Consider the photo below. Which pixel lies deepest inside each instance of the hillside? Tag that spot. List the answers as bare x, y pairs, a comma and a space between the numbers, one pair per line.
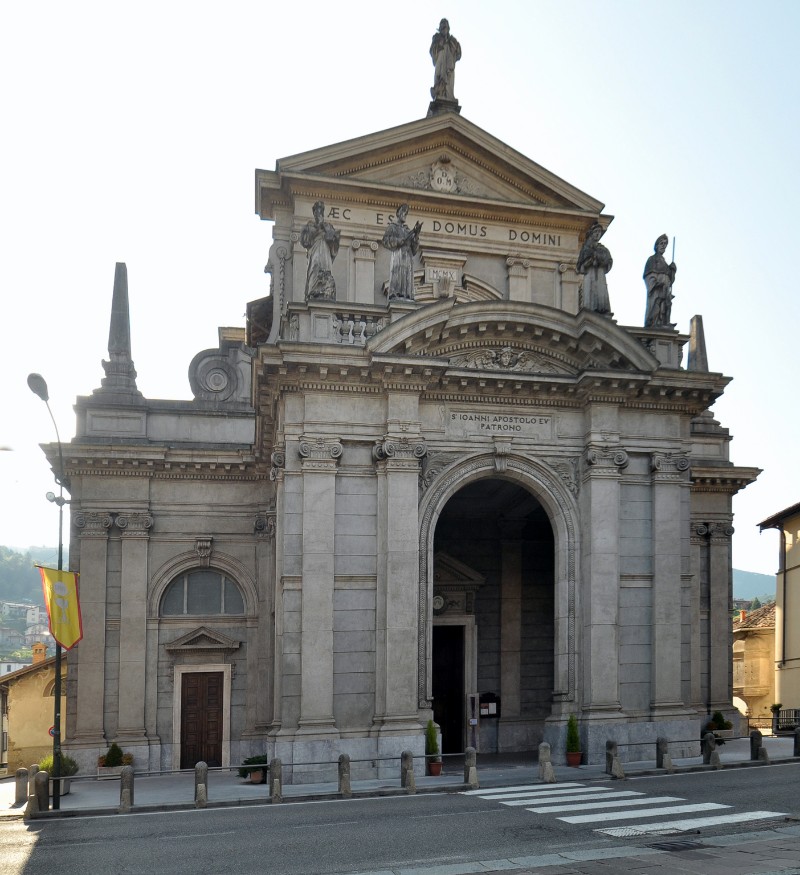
749, 584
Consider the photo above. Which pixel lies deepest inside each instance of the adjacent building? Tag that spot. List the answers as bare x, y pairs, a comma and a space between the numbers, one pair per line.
431, 476
787, 606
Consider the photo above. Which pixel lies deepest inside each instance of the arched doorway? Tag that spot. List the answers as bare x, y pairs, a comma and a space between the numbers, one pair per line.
493, 616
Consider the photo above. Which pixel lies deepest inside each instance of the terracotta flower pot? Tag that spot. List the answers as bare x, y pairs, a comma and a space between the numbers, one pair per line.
434, 769
574, 758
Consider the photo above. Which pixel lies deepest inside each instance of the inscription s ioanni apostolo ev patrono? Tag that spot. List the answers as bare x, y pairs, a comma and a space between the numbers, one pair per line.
495, 233
538, 426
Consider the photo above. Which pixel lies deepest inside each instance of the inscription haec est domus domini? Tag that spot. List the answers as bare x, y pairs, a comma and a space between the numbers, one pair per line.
496, 233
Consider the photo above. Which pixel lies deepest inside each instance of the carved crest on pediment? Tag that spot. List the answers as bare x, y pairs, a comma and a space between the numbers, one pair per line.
441, 176
506, 358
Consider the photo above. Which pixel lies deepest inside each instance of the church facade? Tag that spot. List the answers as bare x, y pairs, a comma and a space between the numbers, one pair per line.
427, 479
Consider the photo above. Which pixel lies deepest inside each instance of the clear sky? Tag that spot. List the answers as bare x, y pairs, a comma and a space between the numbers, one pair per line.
131, 131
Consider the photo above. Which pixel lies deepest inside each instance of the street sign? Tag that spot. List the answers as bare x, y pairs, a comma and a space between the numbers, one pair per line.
52, 731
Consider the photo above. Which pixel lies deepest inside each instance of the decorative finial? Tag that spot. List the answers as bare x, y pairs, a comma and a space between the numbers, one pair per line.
120, 378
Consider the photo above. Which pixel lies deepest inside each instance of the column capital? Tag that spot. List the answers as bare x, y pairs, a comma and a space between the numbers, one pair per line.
320, 453
605, 461
278, 460
93, 524
402, 449
718, 531
669, 466
134, 525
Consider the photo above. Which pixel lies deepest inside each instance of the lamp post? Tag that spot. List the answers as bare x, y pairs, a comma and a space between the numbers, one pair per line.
38, 385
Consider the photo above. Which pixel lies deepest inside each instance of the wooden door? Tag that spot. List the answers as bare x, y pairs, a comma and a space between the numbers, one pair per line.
201, 719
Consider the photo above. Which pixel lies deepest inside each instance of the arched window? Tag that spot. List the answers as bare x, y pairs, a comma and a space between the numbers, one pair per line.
201, 592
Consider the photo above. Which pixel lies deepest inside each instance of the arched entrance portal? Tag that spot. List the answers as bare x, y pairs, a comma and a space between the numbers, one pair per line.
493, 617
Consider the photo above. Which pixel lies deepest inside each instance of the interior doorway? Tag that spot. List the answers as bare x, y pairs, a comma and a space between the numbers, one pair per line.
201, 719
448, 686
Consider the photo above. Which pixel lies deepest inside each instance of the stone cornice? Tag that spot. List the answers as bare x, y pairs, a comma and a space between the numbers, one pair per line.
727, 480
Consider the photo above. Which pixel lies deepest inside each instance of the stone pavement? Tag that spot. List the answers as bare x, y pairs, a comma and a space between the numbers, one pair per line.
759, 852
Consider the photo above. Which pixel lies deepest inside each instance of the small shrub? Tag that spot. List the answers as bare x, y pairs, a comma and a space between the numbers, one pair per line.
573, 737
68, 765
127, 759
260, 761
113, 757
432, 743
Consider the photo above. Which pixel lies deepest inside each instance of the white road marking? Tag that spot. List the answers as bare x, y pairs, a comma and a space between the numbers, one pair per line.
551, 788
578, 797
690, 824
594, 805
656, 812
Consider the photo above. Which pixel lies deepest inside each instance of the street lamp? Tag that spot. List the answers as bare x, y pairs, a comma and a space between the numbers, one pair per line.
37, 385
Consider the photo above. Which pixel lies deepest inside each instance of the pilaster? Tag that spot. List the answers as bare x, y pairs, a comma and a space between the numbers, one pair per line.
669, 476
510, 616
319, 462
361, 288
398, 464
90, 653
135, 528
600, 504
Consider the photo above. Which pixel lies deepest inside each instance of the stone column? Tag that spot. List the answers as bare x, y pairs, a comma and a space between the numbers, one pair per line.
89, 657
600, 572
396, 620
362, 285
510, 616
669, 480
276, 475
135, 528
319, 463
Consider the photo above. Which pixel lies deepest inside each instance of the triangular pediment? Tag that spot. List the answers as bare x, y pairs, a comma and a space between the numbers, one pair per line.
202, 640
449, 570
444, 156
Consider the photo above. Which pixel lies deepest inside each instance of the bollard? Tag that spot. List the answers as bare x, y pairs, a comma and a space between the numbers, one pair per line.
344, 776
709, 745
41, 790
406, 767
763, 755
471, 768
126, 789
31, 775
796, 751
663, 758
200, 780
611, 752
756, 743
21, 789
275, 780
32, 808
613, 764
546, 773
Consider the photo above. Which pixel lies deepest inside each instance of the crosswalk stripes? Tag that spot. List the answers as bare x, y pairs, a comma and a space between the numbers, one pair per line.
607, 806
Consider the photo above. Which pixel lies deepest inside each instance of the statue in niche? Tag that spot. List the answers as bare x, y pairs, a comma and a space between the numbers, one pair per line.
321, 240
659, 277
403, 242
594, 262
445, 51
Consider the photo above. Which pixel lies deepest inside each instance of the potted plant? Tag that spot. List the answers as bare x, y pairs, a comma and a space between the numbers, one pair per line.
721, 727
255, 769
68, 768
112, 761
432, 755
776, 710
573, 742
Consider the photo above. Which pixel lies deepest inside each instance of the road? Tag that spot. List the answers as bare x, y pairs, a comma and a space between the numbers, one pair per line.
380, 834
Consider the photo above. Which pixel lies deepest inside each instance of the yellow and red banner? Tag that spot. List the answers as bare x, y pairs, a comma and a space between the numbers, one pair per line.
63, 608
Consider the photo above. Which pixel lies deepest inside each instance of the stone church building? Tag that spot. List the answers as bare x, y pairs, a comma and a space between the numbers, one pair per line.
427, 478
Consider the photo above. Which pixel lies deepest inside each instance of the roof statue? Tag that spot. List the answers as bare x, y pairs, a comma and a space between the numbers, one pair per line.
594, 262
659, 277
445, 51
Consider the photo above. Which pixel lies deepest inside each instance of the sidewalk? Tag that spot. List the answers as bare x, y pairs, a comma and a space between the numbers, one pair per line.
88, 795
